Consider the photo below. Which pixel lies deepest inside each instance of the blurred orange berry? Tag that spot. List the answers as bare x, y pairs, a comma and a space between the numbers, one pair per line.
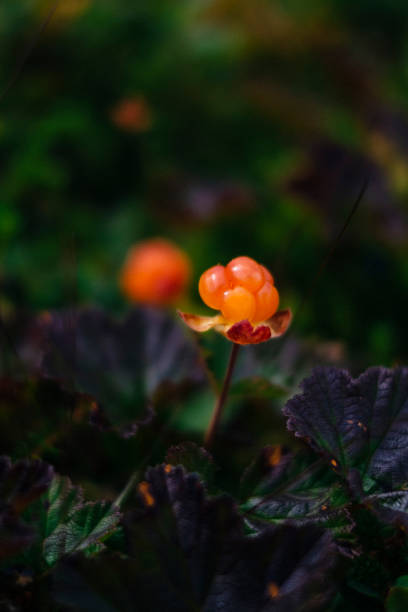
132, 115
155, 272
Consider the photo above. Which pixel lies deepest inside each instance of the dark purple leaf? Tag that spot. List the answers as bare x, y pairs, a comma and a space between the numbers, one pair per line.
35, 411
23, 482
124, 364
188, 552
359, 422
20, 484
194, 459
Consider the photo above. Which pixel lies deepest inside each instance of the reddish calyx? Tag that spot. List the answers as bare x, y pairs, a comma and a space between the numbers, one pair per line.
245, 294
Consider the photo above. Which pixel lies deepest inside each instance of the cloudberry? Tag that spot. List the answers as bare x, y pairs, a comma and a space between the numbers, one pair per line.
243, 290
245, 272
267, 275
155, 272
267, 302
212, 285
238, 304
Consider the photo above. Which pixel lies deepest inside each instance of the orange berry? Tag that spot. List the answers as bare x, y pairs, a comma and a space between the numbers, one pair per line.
132, 114
238, 304
267, 275
155, 272
266, 301
245, 272
212, 284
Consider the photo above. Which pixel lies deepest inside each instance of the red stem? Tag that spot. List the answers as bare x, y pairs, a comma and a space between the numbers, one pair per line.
218, 408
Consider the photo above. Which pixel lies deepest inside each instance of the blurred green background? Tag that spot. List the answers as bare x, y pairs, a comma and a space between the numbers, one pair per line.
228, 126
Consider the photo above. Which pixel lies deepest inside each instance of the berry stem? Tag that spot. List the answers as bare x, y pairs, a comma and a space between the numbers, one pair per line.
219, 405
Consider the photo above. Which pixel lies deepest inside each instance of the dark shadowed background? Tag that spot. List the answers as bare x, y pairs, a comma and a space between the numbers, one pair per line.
229, 127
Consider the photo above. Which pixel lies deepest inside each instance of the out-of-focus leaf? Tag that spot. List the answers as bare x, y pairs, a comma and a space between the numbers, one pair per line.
21, 483
402, 581
258, 387
285, 363
185, 200
124, 363
15, 536
194, 459
397, 600
33, 413
196, 413
331, 173
188, 552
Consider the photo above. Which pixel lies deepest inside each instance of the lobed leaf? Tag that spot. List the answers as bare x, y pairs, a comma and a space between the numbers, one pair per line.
85, 529
34, 412
66, 523
188, 552
359, 422
279, 486
122, 363
194, 459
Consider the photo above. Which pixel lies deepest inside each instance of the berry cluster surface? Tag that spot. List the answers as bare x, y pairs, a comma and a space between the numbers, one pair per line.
243, 289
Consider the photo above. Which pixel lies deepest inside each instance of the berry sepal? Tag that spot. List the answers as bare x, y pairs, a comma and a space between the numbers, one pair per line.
242, 332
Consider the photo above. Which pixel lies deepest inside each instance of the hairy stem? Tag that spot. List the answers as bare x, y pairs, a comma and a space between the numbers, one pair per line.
219, 405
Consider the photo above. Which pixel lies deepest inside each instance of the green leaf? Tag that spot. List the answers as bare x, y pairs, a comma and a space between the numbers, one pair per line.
86, 528
258, 388
397, 600
196, 413
280, 486
188, 552
66, 523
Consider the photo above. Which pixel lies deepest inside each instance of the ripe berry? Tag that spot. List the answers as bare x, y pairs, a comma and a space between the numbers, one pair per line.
267, 275
238, 304
245, 272
155, 272
267, 302
132, 115
212, 285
